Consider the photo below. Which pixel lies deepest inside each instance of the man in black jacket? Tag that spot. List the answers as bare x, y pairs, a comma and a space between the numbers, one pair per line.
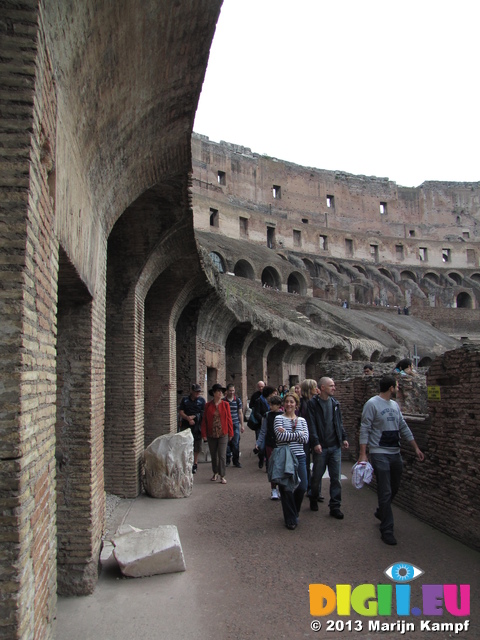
327, 436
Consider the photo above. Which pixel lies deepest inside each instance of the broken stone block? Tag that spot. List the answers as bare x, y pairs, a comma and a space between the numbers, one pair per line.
168, 466
149, 552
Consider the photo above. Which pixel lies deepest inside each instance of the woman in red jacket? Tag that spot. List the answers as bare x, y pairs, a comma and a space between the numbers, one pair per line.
217, 429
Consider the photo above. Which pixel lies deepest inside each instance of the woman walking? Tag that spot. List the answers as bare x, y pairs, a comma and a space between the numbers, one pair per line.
292, 430
217, 430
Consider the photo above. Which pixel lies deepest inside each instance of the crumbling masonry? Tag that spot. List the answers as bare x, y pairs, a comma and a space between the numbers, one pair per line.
111, 302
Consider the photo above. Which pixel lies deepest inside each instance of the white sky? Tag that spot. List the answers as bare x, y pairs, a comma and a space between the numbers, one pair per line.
371, 87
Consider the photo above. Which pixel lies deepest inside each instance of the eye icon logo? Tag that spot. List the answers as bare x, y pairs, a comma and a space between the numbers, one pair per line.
403, 572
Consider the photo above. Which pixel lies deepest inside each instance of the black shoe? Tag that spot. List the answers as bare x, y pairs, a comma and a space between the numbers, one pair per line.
313, 505
377, 514
228, 462
388, 538
291, 526
336, 513
194, 468
260, 464
320, 499
237, 464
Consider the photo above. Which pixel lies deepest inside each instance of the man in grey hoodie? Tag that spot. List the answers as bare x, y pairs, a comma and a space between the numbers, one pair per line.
380, 429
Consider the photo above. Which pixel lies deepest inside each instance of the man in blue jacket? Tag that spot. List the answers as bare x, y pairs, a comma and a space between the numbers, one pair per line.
327, 436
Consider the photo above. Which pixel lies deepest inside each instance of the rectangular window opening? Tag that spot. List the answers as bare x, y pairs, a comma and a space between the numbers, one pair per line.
277, 192
222, 178
411, 233
323, 243
214, 218
399, 251
374, 252
330, 202
297, 238
243, 227
466, 235
349, 247
422, 254
470, 256
271, 237
383, 208
446, 255
305, 220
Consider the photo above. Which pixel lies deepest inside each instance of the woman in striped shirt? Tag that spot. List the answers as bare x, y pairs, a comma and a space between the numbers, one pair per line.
292, 429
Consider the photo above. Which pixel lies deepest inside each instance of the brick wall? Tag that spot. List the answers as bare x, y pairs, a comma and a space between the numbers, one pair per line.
444, 490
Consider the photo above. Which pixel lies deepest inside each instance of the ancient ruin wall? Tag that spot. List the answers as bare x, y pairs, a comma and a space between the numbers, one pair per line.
332, 213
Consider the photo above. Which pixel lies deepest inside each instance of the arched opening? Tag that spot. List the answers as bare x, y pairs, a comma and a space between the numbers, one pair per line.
432, 277
310, 267
476, 277
271, 278
358, 354
408, 275
456, 277
243, 269
360, 269
296, 284
464, 301
218, 261
375, 357
386, 273
335, 266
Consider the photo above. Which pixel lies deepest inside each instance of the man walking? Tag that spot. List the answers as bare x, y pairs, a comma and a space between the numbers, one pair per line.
236, 409
191, 413
327, 436
380, 429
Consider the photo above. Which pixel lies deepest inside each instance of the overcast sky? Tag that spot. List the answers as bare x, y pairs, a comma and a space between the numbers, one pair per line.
372, 87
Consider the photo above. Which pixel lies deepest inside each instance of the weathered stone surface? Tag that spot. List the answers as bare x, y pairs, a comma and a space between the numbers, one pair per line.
168, 466
149, 552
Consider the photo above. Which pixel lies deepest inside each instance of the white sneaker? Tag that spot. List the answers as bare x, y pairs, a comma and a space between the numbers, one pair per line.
274, 495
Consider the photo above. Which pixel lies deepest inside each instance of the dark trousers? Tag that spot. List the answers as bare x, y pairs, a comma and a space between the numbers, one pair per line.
388, 471
292, 500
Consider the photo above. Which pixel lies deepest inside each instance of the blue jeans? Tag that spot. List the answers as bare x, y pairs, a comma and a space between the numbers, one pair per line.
292, 500
233, 449
330, 458
388, 469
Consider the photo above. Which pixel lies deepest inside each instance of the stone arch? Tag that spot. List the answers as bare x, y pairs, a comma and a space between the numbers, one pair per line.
235, 360
310, 267
475, 277
360, 269
334, 265
359, 354
218, 261
296, 283
408, 275
271, 278
432, 277
244, 269
386, 273
464, 301
337, 353
456, 277
313, 364
375, 357
275, 363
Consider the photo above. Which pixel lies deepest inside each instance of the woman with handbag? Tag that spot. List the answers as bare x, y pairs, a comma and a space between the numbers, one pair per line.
292, 430
217, 430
